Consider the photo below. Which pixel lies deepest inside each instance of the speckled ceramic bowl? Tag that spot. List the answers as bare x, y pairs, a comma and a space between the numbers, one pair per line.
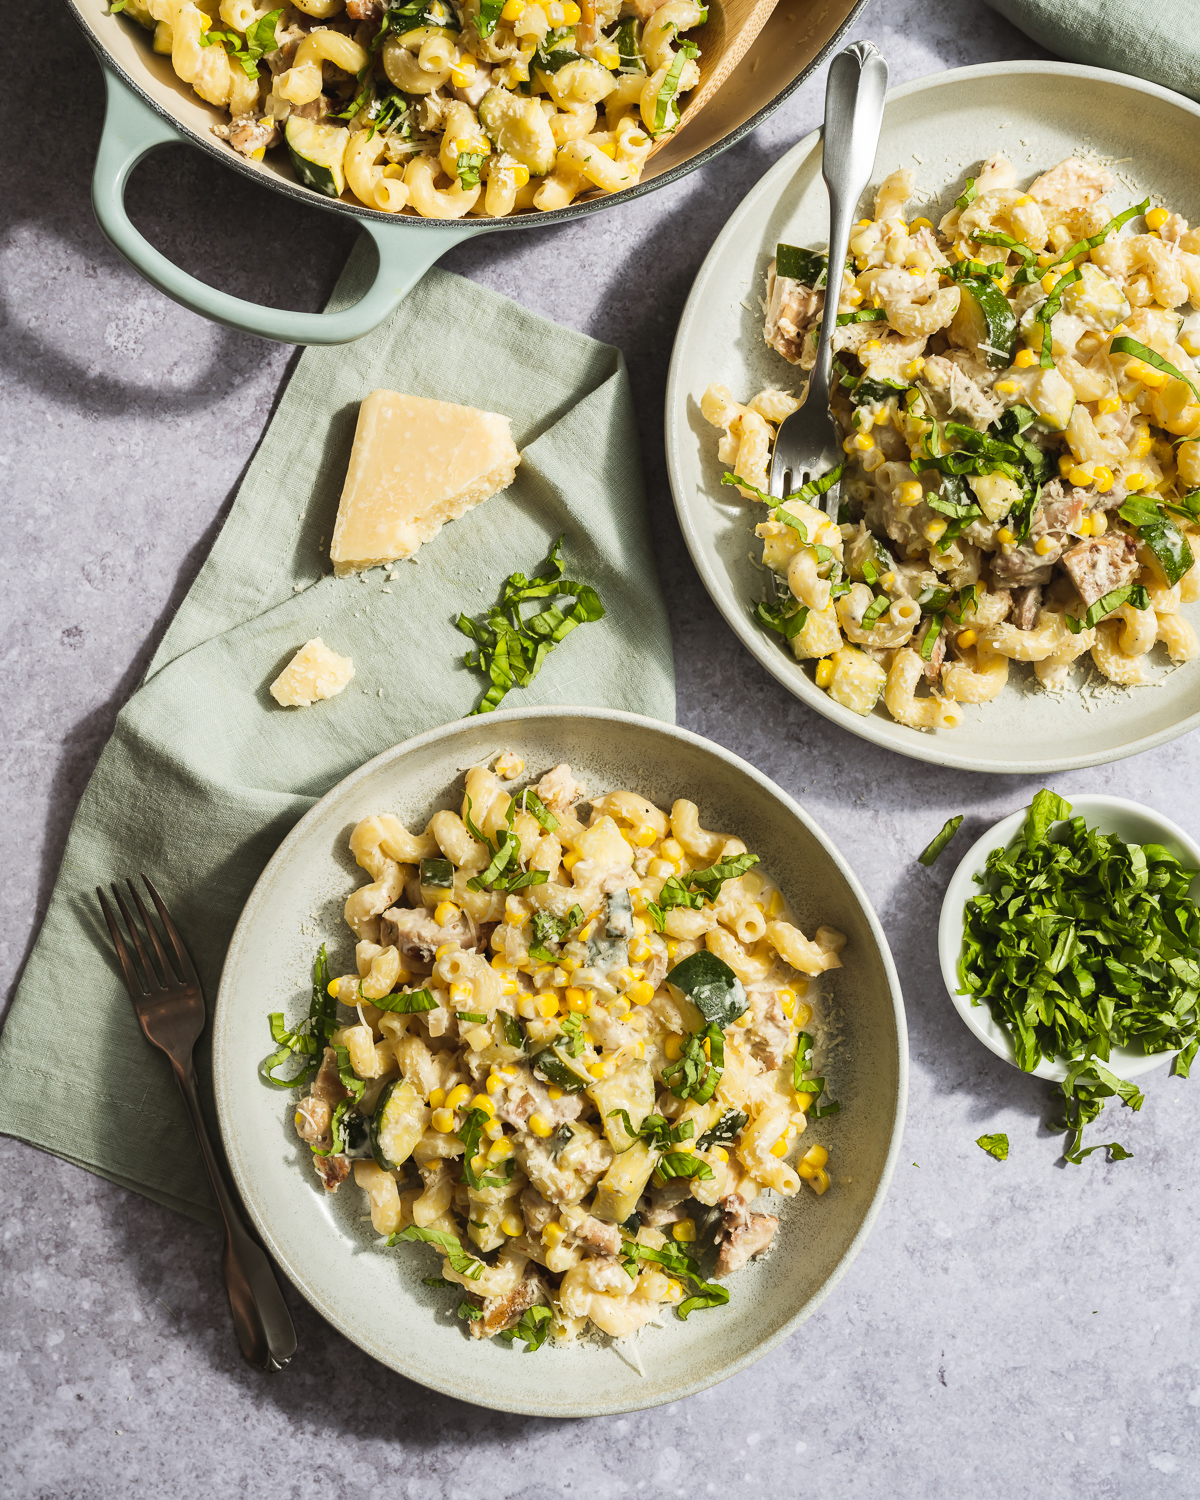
376, 1296
941, 127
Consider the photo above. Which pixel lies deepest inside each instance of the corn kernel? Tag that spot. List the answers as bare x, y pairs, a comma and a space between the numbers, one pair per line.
1133, 482
513, 10
672, 949
803, 1103
641, 993
935, 530
853, 296
600, 1069
661, 868
512, 1225
684, 1230
461, 994
461, 75
546, 1004
520, 175
607, 55
1099, 523
458, 1096
1005, 537
554, 1233
539, 1124
720, 1153
445, 913
1023, 201
1086, 527
579, 1000
332, 987
1137, 369
1103, 478
673, 1047
914, 367
911, 492
1044, 260
554, 1091
437, 1098
444, 949
527, 1008
571, 13
824, 673
744, 1019
787, 1002
1107, 405
967, 638
443, 1120
481, 1101
1079, 476
571, 859
820, 1182
1156, 218
804, 1014
1065, 464
780, 1148
1008, 387
921, 224
1043, 545
1049, 281
872, 346
1024, 359
494, 1083
639, 950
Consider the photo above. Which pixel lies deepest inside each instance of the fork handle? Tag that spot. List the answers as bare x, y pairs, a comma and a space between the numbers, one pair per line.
854, 95
264, 1328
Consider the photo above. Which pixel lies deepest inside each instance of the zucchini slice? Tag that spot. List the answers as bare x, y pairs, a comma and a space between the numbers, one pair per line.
317, 151
437, 881
397, 1124
984, 316
555, 1069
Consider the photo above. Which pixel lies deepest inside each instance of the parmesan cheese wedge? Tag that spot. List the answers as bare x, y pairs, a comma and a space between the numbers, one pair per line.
415, 465
314, 672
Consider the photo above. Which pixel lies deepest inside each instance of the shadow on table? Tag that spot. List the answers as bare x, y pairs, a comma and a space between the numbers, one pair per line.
331, 1385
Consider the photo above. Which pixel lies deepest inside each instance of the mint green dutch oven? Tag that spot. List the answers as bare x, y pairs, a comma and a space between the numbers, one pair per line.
149, 107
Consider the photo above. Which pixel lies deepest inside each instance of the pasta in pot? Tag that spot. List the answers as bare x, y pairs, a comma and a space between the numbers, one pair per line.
440, 108
1019, 393
555, 1086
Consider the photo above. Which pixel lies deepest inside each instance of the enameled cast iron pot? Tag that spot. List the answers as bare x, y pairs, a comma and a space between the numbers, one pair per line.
148, 107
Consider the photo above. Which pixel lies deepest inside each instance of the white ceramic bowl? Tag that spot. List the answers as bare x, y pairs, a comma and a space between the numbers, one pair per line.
1130, 821
376, 1296
941, 127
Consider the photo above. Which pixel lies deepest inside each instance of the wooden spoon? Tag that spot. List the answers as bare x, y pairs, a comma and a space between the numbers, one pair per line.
724, 40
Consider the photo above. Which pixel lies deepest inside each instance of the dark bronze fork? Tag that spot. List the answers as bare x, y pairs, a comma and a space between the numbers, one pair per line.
170, 1005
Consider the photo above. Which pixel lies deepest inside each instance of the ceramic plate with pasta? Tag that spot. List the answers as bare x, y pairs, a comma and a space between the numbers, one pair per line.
440, 108
581, 1037
1017, 389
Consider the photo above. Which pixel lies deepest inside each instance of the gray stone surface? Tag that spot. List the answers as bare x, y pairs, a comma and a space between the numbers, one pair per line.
1009, 1330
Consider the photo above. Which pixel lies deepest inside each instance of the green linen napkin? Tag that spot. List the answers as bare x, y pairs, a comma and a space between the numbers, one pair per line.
205, 773
1158, 42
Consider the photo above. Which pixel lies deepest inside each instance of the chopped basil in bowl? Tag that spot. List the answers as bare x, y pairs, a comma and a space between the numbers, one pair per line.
1069, 943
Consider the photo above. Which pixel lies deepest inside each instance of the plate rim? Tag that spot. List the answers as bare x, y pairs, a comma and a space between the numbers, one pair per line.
915, 745
1002, 833
224, 1093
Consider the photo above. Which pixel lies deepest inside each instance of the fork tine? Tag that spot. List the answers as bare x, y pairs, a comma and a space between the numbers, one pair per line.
182, 957
165, 967
132, 979
153, 982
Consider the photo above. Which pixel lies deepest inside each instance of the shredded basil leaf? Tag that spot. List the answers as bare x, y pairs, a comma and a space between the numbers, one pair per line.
1125, 345
460, 1262
309, 1038
260, 39
725, 1131
935, 846
995, 1145
969, 194
1045, 315
511, 646
408, 1002
1129, 593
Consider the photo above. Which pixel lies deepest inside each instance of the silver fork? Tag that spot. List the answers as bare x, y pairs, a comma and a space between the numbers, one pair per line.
808, 443
170, 1005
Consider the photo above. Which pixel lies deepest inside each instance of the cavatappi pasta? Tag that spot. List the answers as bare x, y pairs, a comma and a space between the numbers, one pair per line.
440, 108
578, 1039
1019, 395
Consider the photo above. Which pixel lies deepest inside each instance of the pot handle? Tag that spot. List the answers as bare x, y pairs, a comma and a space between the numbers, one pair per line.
406, 250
